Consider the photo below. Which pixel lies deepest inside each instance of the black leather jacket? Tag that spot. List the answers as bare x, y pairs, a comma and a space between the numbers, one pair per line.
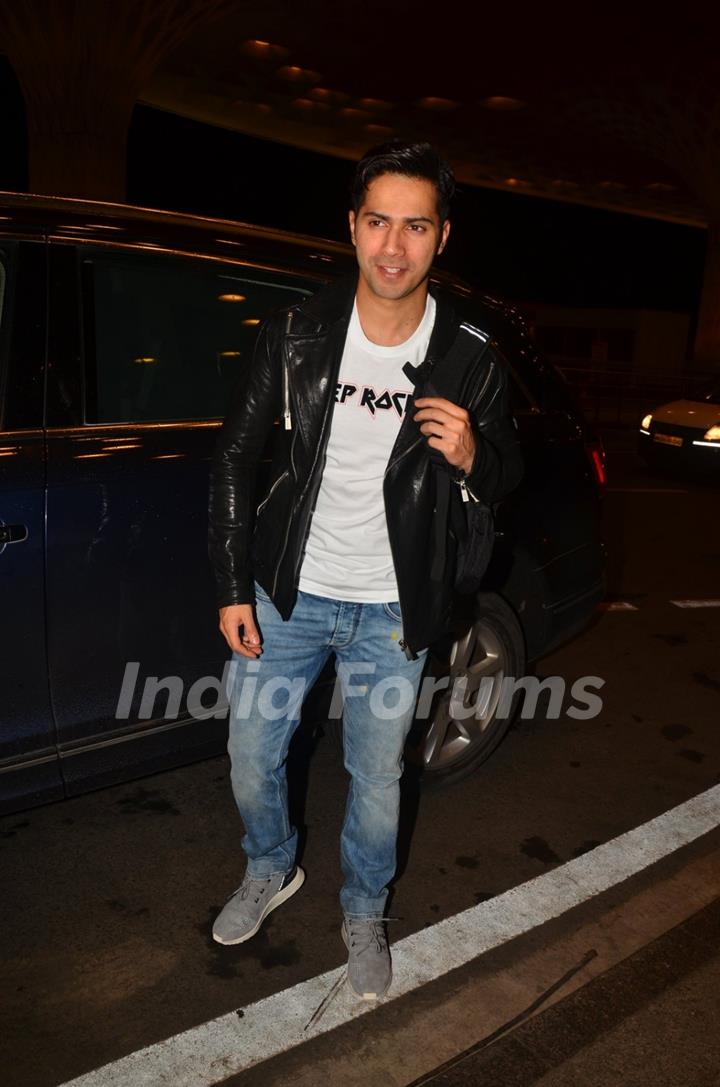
293, 375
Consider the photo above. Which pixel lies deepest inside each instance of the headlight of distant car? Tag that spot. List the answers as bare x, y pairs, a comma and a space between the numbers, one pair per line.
645, 425
713, 434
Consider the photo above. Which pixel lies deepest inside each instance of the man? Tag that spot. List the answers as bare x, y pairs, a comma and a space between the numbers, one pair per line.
337, 557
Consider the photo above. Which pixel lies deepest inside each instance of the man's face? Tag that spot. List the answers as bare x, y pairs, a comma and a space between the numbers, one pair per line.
397, 233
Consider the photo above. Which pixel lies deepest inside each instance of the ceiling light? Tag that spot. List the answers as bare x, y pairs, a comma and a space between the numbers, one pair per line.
438, 104
501, 102
379, 130
293, 74
264, 50
513, 182
374, 103
231, 298
308, 104
324, 94
351, 114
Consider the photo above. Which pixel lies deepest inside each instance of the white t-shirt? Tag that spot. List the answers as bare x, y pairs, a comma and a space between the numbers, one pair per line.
347, 555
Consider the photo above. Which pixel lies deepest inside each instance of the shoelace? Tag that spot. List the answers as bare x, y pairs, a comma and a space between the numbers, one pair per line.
260, 885
243, 891
374, 930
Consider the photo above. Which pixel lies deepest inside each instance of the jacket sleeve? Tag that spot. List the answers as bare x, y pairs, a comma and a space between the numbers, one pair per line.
233, 473
498, 465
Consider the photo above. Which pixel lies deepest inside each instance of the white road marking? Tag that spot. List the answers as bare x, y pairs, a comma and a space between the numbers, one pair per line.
209, 1053
696, 603
616, 605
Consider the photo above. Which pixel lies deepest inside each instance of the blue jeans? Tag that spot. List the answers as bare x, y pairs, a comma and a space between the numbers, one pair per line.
379, 687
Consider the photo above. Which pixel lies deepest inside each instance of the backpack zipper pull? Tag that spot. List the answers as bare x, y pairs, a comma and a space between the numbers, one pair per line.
468, 495
459, 477
287, 414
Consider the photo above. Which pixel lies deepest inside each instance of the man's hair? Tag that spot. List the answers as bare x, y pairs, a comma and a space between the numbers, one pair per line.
419, 160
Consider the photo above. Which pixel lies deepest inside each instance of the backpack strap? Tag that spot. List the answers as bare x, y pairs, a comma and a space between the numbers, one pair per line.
453, 371
451, 378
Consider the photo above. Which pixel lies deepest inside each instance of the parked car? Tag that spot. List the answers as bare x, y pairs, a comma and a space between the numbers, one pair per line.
123, 332
683, 434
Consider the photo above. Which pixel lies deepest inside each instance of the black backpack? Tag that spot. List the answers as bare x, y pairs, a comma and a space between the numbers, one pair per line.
461, 376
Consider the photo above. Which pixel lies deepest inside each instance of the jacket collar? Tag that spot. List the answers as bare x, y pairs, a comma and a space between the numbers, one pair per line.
445, 326
335, 303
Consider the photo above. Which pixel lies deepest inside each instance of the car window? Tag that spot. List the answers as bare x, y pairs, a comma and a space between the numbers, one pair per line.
167, 338
5, 259
23, 275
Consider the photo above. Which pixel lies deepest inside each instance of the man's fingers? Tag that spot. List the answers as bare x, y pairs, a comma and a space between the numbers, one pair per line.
238, 627
437, 415
252, 652
439, 403
251, 636
452, 426
459, 454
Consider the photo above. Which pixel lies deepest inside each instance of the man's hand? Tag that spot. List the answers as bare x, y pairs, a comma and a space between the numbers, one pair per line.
232, 618
447, 428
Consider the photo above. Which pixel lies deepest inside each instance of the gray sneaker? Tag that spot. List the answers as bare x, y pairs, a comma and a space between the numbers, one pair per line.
369, 971
246, 909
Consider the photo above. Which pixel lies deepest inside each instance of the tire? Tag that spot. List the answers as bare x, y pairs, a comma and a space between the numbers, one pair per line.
443, 746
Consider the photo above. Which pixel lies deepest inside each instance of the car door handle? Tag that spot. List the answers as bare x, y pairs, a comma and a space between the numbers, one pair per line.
12, 534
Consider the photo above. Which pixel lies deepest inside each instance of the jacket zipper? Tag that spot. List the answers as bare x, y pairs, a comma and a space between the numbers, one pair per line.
287, 423
466, 493
478, 397
320, 452
270, 493
289, 520
287, 416
402, 643
320, 449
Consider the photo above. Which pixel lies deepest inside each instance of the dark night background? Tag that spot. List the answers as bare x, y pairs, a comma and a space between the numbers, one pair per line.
525, 248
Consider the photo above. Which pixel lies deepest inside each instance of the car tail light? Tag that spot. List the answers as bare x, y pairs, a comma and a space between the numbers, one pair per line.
596, 453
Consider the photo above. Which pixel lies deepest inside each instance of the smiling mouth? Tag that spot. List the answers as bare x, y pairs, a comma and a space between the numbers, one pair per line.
390, 269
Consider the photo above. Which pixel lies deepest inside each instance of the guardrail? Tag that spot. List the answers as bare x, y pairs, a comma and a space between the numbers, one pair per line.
624, 396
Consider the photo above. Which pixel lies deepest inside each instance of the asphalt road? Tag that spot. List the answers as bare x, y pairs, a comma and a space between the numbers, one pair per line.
108, 899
